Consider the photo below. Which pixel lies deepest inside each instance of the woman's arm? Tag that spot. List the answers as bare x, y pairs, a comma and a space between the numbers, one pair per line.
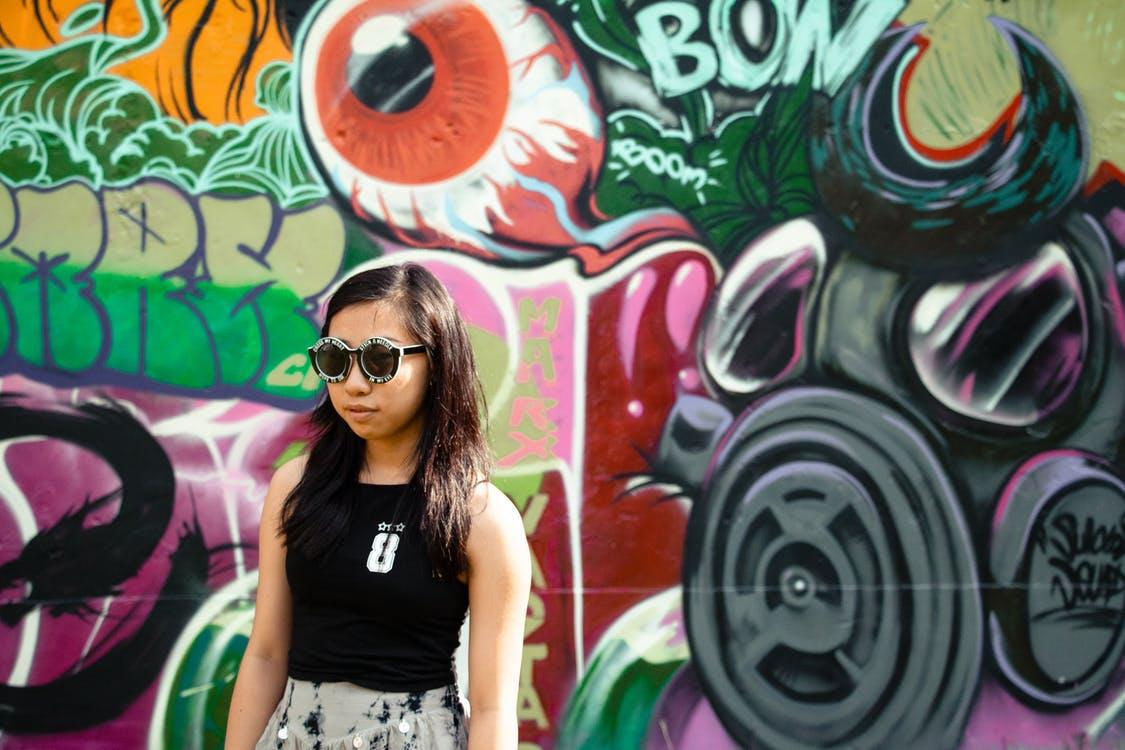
499, 584
265, 665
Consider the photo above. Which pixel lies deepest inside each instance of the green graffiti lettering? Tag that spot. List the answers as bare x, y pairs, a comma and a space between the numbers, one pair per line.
529, 706
289, 372
536, 614
545, 316
536, 355
147, 283
151, 228
7, 214
252, 246
177, 348
44, 270
533, 512
7, 227
534, 409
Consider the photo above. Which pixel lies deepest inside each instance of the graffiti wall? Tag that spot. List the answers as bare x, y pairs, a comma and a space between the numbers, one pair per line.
800, 325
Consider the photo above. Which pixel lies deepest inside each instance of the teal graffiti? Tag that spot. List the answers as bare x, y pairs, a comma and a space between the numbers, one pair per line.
665, 50
811, 34
751, 45
733, 173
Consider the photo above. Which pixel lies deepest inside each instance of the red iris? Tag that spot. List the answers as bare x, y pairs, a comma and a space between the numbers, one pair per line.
450, 128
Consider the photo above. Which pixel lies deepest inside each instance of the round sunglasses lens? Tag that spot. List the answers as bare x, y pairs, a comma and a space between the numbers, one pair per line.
332, 361
378, 360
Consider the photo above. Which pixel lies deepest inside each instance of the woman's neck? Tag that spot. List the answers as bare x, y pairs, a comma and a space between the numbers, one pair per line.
389, 463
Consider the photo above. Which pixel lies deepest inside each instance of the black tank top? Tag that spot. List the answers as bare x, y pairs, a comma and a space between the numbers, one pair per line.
371, 612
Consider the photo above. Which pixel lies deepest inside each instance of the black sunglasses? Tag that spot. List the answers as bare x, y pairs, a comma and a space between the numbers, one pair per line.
378, 358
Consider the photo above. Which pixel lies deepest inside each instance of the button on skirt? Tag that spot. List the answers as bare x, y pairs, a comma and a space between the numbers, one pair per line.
343, 716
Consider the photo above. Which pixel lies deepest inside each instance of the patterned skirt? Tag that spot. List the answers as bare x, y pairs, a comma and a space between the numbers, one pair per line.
343, 716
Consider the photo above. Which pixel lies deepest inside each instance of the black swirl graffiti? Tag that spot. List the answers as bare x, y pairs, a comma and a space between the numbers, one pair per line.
102, 690
67, 564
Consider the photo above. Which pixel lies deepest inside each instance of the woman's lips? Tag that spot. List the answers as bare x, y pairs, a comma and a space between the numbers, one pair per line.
359, 412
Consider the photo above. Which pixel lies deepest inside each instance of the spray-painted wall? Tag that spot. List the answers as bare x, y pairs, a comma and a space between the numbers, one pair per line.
801, 328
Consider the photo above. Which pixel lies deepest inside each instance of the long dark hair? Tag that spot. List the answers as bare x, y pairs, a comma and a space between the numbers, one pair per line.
452, 455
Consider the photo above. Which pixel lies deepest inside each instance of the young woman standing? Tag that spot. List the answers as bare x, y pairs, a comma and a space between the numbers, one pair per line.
375, 543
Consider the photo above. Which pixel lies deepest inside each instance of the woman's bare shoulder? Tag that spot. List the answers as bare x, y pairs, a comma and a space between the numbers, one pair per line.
493, 513
286, 477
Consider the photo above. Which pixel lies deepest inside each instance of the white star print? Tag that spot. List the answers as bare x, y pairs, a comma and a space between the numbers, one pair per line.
401, 527
384, 527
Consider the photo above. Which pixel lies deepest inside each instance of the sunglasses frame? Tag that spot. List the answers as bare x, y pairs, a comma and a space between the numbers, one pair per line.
354, 356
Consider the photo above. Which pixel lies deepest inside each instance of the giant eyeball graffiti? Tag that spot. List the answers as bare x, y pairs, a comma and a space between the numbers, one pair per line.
965, 211
459, 123
817, 572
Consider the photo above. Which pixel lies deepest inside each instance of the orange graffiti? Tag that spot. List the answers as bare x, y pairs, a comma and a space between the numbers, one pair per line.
206, 67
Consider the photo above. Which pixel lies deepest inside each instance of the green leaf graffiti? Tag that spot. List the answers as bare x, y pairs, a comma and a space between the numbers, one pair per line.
605, 26
611, 705
82, 19
750, 174
62, 116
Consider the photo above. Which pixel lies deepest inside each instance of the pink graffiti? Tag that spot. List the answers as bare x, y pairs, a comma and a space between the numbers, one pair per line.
685, 303
637, 291
222, 453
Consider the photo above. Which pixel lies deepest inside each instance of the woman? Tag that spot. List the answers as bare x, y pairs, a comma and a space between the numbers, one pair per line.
372, 546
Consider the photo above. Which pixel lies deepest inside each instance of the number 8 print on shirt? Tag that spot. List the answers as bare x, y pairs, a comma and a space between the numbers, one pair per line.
382, 557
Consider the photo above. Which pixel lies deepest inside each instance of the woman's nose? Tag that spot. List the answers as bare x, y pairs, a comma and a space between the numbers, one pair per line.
356, 383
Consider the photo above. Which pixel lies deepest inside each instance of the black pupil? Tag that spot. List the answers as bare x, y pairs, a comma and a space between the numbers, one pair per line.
378, 360
394, 79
